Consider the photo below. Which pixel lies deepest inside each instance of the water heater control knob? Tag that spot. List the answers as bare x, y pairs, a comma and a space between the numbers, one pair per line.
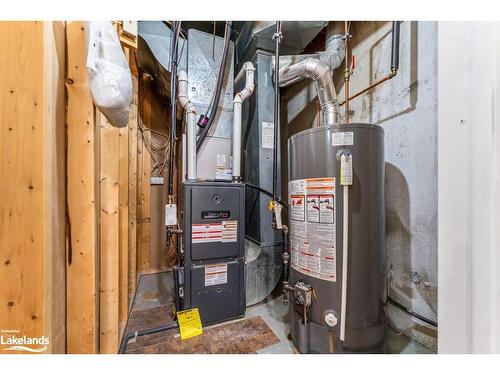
331, 319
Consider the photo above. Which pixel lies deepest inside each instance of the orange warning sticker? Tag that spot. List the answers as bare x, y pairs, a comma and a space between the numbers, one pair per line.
312, 227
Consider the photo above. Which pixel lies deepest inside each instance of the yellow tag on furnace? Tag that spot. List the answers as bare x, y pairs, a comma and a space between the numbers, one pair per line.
189, 323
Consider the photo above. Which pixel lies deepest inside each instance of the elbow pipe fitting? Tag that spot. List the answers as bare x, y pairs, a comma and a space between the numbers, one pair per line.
319, 68
184, 101
190, 112
319, 72
249, 84
237, 108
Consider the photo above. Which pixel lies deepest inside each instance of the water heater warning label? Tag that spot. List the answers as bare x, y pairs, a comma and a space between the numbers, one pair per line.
297, 207
312, 227
313, 208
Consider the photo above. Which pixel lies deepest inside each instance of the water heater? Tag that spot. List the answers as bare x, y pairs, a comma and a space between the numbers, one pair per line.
337, 306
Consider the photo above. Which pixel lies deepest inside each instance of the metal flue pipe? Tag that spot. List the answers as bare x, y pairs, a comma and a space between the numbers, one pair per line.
319, 68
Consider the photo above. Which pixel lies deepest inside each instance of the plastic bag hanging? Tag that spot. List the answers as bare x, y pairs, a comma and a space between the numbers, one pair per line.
110, 79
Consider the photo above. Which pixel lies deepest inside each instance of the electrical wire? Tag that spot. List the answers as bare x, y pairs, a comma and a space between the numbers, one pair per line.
218, 88
217, 78
262, 190
412, 313
157, 151
173, 102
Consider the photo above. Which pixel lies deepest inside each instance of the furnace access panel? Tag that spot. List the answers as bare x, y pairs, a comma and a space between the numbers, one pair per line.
214, 233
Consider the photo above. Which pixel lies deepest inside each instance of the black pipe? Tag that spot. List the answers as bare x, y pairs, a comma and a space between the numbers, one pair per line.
204, 121
176, 27
277, 39
177, 285
149, 331
412, 313
286, 268
395, 46
262, 190
285, 271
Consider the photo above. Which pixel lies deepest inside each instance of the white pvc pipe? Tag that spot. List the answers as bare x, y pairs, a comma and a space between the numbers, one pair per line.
237, 140
345, 258
237, 105
184, 162
190, 125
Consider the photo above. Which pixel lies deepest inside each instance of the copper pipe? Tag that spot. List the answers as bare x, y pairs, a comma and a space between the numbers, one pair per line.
394, 65
346, 72
372, 86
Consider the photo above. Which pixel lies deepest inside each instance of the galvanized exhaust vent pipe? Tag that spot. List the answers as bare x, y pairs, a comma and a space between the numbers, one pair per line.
318, 67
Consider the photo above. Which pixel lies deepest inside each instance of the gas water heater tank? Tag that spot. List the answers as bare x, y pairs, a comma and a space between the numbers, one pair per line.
316, 239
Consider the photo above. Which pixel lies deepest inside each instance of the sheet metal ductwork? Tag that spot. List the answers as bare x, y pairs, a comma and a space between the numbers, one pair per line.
153, 53
264, 244
258, 35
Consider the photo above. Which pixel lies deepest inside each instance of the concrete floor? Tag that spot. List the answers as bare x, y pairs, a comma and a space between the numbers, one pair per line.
156, 290
275, 314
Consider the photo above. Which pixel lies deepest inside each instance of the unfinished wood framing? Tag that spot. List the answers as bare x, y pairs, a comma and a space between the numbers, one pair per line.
75, 226
32, 297
144, 183
109, 236
82, 272
123, 155
132, 188
124, 205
